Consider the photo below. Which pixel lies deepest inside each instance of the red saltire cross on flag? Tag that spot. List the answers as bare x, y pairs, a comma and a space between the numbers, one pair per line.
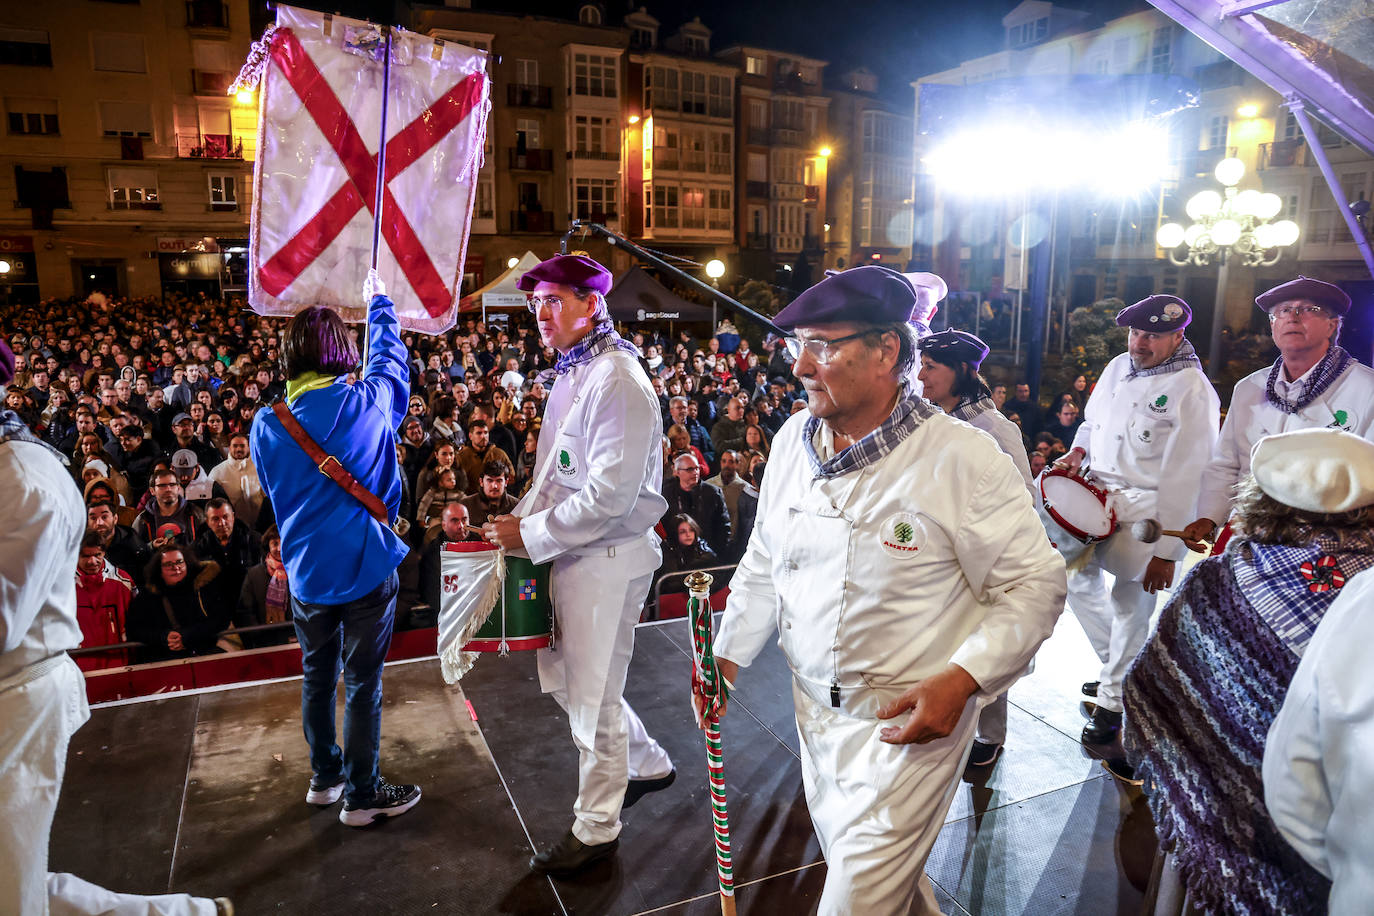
316, 178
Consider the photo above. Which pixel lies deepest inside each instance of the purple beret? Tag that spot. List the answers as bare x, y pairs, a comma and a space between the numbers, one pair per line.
1324, 294
950, 347
6, 363
1160, 314
870, 294
568, 270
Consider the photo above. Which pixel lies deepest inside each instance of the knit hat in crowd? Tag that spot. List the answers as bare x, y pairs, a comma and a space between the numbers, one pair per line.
1316, 470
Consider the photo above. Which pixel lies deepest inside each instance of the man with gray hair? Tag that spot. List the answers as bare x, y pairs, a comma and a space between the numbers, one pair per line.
899, 559
1313, 383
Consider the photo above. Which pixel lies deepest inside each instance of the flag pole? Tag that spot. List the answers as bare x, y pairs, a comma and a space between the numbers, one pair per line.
709, 691
381, 146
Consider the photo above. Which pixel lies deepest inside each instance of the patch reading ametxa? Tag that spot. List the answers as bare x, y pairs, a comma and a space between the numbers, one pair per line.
1343, 419
1159, 404
902, 535
566, 462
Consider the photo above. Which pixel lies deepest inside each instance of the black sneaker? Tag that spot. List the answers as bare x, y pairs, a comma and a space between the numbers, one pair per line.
389, 801
324, 793
984, 754
638, 788
1103, 727
1090, 688
570, 856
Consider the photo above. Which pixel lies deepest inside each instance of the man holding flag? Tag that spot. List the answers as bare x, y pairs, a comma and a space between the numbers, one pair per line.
899, 558
593, 517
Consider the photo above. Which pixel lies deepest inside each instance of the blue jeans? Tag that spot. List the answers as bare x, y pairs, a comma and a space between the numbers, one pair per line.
358, 634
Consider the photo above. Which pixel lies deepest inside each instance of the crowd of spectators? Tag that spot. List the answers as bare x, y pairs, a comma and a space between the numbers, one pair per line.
1047, 433
152, 403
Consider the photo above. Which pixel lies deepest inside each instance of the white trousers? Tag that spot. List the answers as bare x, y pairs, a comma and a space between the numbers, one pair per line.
877, 808
1117, 624
40, 709
596, 608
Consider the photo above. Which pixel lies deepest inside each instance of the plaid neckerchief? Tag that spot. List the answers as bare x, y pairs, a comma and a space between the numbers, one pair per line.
1183, 357
910, 412
1291, 588
602, 339
1329, 368
968, 408
14, 429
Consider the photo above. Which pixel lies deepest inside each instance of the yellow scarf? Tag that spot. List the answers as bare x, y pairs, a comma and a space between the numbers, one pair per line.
307, 381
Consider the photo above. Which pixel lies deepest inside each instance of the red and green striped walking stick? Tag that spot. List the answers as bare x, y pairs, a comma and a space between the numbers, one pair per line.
709, 692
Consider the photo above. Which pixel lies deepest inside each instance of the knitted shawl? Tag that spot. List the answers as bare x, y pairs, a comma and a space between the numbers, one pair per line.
1199, 700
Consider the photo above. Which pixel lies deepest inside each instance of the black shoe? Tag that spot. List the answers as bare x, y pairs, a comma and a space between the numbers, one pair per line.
570, 856
1122, 770
389, 801
638, 788
1090, 688
1103, 727
324, 793
984, 754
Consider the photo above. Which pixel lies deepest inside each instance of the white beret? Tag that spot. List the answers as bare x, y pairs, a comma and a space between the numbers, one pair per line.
1317, 470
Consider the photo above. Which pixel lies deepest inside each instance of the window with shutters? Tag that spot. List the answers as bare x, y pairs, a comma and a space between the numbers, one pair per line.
133, 189
25, 47
126, 119
31, 116
118, 53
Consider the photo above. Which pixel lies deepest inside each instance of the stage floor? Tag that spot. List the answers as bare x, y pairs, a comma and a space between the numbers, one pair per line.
204, 793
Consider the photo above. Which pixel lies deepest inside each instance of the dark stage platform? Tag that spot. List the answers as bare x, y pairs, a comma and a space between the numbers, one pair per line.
204, 793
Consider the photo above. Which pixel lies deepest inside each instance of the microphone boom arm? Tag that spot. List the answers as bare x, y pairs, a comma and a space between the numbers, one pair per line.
619, 241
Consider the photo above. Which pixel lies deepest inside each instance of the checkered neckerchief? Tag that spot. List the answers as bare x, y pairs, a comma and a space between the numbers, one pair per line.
968, 408
602, 339
1183, 357
910, 412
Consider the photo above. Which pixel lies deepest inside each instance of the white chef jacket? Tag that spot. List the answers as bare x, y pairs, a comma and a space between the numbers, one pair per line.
883, 576
602, 487
44, 519
1319, 759
1348, 404
1008, 437
1151, 437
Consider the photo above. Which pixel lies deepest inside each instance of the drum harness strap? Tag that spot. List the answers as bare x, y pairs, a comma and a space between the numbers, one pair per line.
330, 466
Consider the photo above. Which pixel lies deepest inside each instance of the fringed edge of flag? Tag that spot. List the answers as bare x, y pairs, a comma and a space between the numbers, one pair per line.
453, 661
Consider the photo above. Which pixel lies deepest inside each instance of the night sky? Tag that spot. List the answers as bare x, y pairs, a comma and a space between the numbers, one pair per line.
898, 41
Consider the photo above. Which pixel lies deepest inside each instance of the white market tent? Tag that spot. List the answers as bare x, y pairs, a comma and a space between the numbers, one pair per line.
501, 294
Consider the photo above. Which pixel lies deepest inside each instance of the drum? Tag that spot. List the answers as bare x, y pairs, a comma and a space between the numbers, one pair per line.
1076, 514
523, 619
490, 602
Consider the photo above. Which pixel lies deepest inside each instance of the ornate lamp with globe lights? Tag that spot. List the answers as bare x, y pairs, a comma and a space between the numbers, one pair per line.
1235, 223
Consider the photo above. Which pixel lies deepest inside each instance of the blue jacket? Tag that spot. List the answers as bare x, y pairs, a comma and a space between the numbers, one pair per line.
335, 552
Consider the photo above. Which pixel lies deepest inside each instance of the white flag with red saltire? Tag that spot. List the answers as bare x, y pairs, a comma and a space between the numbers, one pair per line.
319, 127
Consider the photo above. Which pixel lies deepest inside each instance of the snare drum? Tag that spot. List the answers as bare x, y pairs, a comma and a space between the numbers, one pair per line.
492, 602
1076, 513
523, 618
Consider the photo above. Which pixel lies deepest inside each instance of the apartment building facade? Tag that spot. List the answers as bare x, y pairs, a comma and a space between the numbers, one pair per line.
870, 171
127, 164
680, 165
555, 134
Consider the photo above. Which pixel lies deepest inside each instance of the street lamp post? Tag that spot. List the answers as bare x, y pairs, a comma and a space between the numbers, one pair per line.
1234, 223
715, 269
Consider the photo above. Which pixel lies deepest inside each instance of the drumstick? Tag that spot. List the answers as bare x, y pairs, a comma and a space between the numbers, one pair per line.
1149, 530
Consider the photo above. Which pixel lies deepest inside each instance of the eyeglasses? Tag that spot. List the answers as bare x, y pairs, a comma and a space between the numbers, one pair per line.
1296, 311
819, 349
535, 303
173, 564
